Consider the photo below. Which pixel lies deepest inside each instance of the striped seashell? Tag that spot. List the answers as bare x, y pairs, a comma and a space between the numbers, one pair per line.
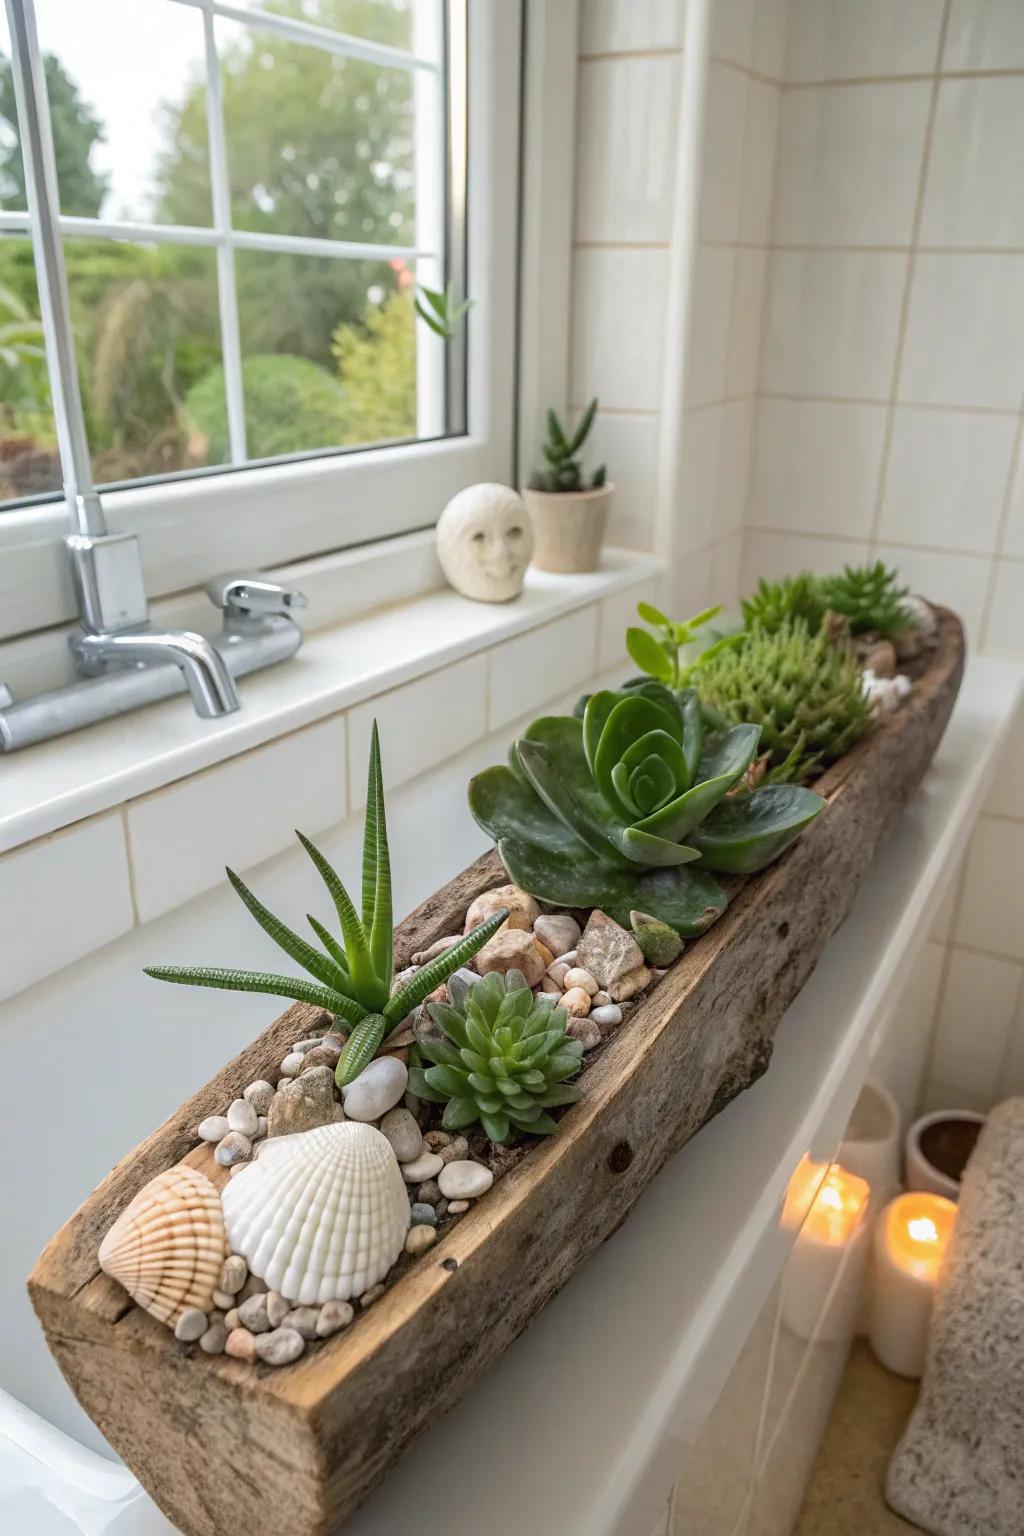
321, 1215
167, 1247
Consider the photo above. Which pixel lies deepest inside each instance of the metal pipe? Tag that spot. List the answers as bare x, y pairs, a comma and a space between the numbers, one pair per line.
43, 202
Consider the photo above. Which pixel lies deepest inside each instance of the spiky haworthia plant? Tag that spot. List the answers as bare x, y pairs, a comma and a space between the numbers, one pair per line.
608, 810
869, 597
802, 689
505, 1059
351, 979
563, 472
776, 602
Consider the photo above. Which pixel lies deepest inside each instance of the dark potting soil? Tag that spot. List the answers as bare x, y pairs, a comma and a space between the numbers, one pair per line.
948, 1144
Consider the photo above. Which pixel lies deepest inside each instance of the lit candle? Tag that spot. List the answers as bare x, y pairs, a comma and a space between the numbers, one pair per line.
911, 1238
828, 1233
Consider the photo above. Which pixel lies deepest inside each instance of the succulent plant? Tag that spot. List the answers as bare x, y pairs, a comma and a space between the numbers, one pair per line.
563, 472
794, 597
658, 655
351, 979
610, 810
869, 597
802, 689
504, 1061
438, 309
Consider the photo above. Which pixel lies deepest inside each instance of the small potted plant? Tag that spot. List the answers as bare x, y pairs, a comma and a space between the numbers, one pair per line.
568, 512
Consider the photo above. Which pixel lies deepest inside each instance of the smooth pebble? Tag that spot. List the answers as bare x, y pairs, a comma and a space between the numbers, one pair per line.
600, 1000
456, 1207
280, 1347
259, 1095
291, 1066
242, 1117
576, 1003
558, 931
607, 1014
252, 1314
420, 1238
378, 1088
277, 1308
191, 1325
223, 1299
213, 1128
576, 976
212, 1342
423, 1214
234, 1272
464, 1180
303, 1319
404, 1134
333, 1315
240, 1344
569, 958
235, 1148
427, 1166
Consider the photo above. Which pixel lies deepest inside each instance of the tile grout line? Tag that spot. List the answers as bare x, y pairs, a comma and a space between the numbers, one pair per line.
945, 964
777, 531
798, 398
130, 862
908, 285
910, 78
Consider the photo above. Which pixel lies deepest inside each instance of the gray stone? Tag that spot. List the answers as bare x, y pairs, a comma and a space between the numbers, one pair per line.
454, 1150
378, 1088
423, 1214
464, 1180
607, 951
235, 1148
252, 1314
404, 1134
333, 1315
304, 1103
254, 1286
191, 1325
277, 1308
303, 1319
213, 1128
212, 1342
259, 1095
428, 1193
280, 1347
224, 1300
959, 1468
558, 931
232, 1319
585, 1031
323, 1055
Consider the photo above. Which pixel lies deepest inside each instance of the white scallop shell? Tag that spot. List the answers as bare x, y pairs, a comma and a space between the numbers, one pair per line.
321, 1215
166, 1248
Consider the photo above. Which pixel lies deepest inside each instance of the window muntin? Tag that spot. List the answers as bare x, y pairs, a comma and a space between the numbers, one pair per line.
270, 304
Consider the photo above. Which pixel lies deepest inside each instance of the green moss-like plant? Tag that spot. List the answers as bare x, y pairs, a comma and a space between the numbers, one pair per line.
609, 810
351, 979
869, 597
776, 602
504, 1061
802, 689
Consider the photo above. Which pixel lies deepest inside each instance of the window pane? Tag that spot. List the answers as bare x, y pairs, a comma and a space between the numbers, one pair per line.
12, 176
380, 21
147, 332
328, 352
129, 117
29, 462
318, 145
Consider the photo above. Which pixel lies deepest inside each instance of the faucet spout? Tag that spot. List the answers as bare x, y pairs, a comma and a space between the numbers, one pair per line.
200, 663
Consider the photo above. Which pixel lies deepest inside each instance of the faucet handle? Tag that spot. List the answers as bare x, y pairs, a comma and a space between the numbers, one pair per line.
250, 597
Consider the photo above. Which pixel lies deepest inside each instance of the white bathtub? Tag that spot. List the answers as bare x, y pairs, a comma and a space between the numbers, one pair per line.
603, 1397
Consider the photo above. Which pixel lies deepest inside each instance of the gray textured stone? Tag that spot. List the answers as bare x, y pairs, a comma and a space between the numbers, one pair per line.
959, 1468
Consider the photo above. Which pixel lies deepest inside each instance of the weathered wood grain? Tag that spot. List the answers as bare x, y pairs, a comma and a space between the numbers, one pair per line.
223, 1446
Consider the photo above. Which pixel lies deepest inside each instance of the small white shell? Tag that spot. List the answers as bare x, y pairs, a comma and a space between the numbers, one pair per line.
321, 1215
167, 1247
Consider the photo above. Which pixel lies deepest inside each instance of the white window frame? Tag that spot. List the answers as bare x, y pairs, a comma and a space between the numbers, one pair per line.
268, 515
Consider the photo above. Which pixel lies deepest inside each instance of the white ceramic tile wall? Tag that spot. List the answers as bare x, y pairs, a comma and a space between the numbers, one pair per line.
889, 420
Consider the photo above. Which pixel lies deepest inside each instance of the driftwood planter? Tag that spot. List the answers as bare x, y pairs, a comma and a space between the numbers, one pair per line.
223, 1446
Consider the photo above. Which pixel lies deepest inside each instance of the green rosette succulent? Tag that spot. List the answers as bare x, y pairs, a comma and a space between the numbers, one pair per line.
775, 603
869, 598
613, 810
352, 979
504, 1059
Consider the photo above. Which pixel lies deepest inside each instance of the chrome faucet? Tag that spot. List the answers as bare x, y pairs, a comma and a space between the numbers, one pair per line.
122, 661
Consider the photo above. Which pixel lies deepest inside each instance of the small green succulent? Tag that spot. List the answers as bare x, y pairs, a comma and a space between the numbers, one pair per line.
352, 980
563, 472
609, 810
802, 689
659, 655
505, 1059
794, 597
869, 597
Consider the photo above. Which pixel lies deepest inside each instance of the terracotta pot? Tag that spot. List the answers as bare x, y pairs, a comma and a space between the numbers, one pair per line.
568, 527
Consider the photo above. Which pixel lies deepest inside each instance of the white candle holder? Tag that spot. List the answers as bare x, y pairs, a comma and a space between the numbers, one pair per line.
911, 1238
937, 1148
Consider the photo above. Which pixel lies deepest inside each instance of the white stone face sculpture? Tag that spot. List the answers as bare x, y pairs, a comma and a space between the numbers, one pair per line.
484, 543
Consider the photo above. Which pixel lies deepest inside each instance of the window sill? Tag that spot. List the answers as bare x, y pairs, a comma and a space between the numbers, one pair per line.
51, 786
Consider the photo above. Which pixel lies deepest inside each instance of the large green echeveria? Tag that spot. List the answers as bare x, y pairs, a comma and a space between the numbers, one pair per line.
613, 810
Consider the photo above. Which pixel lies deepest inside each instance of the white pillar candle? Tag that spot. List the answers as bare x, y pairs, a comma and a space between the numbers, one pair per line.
911, 1237
828, 1233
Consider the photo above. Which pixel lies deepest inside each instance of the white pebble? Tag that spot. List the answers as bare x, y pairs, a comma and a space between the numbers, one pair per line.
464, 1180
576, 976
569, 958
576, 1003
378, 1088
300, 1047
333, 1315
235, 1148
213, 1128
243, 1117
191, 1325
261, 1128
600, 1000
259, 1095
456, 1207
427, 1166
609, 1013
292, 1064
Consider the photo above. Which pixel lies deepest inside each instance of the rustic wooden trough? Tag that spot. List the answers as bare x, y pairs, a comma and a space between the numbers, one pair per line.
223, 1446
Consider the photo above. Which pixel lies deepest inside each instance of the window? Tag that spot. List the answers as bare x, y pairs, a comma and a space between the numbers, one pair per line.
249, 194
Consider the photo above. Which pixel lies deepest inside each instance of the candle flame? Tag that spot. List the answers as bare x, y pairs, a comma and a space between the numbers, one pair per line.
923, 1230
